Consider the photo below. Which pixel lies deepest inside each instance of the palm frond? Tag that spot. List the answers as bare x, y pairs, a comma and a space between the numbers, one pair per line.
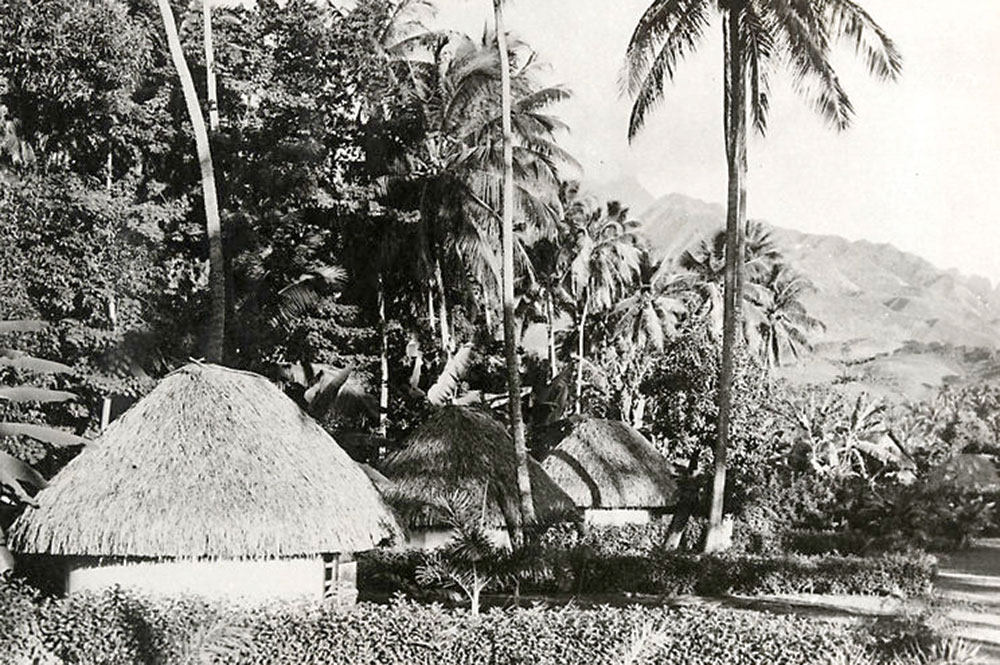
674, 28
50, 435
14, 474
447, 385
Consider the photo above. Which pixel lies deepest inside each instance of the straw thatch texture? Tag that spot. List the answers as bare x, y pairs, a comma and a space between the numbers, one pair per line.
464, 451
608, 464
974, 473
381, 483
212, 463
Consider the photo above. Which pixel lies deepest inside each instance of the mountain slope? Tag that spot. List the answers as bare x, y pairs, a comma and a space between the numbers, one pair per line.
873, 298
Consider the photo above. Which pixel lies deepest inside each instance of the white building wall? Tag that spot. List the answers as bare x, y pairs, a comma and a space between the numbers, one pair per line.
430, 539
617, 516
251, 581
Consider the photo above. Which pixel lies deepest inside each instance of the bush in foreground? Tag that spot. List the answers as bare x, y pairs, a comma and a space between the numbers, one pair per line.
117, 628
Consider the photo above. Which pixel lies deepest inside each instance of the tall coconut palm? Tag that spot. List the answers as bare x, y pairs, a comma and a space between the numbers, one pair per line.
785, 324
507, 243
210, 85
758, 35
605, 257
215, 339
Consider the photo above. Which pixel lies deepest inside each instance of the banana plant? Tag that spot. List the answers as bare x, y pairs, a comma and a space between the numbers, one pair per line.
18, 480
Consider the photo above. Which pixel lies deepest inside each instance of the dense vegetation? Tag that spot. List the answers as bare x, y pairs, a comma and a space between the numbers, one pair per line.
116, 627
365, 170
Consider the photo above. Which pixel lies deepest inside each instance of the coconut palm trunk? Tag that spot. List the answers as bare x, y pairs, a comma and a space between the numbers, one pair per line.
383, 365
550, 337
736, 121
213, 96
507, 242
214, 345
443, 304
579, 354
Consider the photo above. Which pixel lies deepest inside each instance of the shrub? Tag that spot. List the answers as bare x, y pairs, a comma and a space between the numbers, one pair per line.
925, 515
118, 628
17, 620
584, 570
673, 574
827, 542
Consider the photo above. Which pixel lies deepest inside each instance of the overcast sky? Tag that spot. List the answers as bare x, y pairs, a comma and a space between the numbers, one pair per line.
917, 168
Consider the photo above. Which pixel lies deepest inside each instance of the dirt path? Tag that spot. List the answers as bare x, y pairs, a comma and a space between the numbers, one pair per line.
972, 580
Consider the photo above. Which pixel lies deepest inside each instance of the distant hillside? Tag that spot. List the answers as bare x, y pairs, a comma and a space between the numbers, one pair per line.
627, 190
873, 298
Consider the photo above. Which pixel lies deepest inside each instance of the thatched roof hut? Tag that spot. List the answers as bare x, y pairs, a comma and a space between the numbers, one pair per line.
973, 473
607, 464
464, 451
381, 483
213, 463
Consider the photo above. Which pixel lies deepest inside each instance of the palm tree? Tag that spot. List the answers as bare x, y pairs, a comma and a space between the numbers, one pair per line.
507, 242
215, 340
459, 161
605, 257
785, 323
652, 312
757, 36
212, 90
705, 278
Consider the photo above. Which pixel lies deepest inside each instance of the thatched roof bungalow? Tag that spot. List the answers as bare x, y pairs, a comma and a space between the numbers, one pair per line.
610, 470
463, 452
214, 483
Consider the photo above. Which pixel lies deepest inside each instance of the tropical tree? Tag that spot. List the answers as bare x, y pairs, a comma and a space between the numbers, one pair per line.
457, 163
784, 323
507, 274
604, 258
705, 265
653, 311
758, 35
216, 333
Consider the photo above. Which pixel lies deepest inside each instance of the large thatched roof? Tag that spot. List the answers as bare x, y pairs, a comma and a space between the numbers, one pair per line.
462, 451
212, 463
974, 473
608, 464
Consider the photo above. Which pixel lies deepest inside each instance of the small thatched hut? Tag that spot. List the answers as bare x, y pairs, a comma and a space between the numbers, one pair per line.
969, 472
215, 483
610, 470
464, 454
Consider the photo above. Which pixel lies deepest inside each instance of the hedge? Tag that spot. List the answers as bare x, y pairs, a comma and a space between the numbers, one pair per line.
584, 571
115, 628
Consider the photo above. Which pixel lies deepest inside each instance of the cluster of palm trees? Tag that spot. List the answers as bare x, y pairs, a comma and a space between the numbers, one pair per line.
487, 173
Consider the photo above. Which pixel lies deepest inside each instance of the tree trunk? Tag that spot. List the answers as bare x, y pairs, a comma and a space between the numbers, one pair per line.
215, 338
431, 317
213, 99
507, 233
443, 305
550, 337
639, 412
686, 503
383, 366
579, 357
715, 539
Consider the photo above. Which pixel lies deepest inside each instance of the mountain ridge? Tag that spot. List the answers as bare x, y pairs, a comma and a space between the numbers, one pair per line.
874, 298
